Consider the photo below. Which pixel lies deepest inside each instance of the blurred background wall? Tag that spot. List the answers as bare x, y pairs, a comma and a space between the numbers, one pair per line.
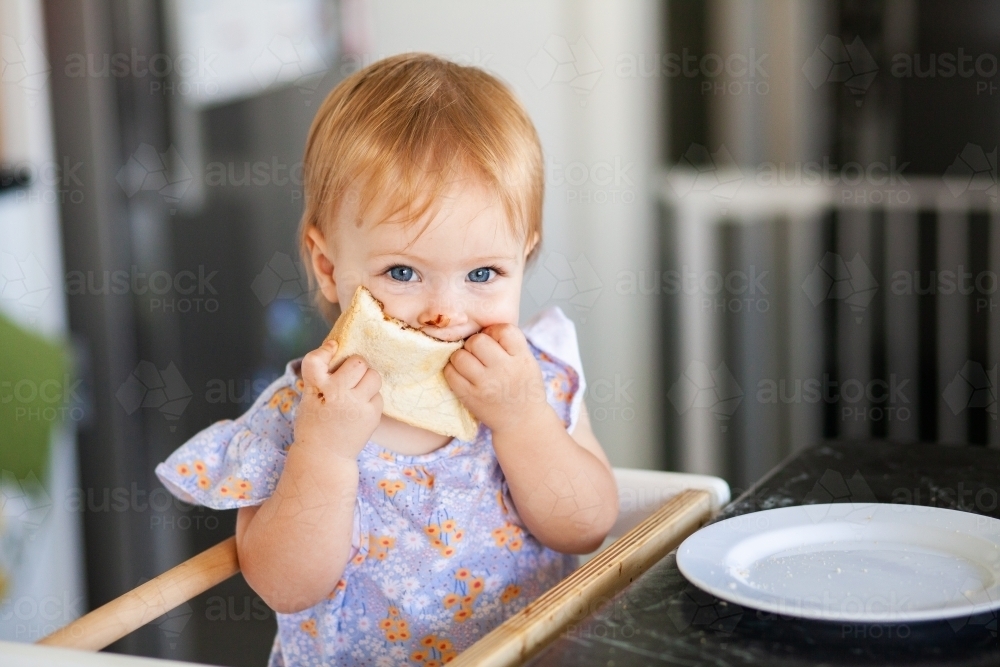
772, 223
41, 566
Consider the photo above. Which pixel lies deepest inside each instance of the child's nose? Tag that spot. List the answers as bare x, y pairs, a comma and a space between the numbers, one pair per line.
442, 312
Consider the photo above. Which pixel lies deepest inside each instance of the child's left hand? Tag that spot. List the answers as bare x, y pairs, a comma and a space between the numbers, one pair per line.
497, 378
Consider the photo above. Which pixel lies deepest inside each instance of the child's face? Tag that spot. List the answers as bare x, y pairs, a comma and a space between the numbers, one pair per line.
460, 274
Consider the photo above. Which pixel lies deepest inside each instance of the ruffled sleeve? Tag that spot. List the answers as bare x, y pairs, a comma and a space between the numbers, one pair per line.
553, 339
237, 463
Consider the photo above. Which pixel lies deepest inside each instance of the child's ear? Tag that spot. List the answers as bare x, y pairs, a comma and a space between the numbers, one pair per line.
321, 264
529, 246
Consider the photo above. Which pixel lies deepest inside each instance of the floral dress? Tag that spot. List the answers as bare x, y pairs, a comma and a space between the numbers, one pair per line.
439, 555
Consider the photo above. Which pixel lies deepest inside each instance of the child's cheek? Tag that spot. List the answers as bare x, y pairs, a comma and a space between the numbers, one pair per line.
496, 308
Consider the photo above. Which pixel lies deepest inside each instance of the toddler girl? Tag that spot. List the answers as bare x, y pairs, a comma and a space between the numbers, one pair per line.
377, 542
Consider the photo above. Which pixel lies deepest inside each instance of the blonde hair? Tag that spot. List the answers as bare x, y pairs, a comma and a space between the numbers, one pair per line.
398, 131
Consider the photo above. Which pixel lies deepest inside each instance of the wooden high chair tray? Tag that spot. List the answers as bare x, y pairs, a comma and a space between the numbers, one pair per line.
594, 583
513, 642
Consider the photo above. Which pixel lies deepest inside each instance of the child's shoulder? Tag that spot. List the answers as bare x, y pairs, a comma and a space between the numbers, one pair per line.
554, 336
553, 342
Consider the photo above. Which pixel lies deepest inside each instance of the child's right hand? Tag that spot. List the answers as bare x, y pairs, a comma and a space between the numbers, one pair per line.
339, 410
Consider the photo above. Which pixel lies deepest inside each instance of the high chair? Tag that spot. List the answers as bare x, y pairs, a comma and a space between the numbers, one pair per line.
642, 492
657, 510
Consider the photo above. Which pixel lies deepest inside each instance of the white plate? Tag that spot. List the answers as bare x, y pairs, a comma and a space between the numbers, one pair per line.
850, 562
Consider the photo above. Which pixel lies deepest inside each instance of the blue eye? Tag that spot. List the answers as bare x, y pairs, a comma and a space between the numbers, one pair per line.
480, 275
401, 273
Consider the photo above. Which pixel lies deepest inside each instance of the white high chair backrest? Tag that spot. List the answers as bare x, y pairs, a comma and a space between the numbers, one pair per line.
642, 492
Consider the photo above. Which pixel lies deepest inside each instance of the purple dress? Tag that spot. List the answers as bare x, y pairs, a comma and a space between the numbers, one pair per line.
439, 555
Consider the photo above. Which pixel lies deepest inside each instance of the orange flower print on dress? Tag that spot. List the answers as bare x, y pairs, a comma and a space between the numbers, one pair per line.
394, 626
434, 651
234, 487
341, 586
359, 557
509, 593
391, 486
309, 627
509, 535
283, 399
559, 386
379, 545
199, 468
445, 536
467, 590
420, 475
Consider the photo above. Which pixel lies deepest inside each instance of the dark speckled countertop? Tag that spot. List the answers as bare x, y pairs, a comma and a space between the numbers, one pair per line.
662, 619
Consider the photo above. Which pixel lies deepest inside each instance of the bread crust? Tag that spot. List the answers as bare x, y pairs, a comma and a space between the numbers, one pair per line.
411, 365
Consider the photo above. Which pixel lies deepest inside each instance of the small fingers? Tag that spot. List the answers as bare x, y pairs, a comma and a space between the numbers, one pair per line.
509, 336
316, 364
457, 383
369, 384
466, 364
351, 371
485, 348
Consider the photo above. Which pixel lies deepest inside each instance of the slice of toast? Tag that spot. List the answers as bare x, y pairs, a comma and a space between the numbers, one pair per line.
410, 363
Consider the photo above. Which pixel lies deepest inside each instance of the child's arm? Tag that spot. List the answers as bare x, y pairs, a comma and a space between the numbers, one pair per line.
293, 548
561, 483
